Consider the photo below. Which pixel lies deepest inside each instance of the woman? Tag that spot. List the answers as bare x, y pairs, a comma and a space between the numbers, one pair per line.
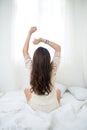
42, 94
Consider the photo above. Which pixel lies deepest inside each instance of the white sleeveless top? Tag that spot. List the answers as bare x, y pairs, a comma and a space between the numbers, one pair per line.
46, 103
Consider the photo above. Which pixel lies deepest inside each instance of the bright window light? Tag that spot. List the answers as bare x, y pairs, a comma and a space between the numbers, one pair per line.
47, 15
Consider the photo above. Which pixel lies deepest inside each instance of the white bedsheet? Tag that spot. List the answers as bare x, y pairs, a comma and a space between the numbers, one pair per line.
15, 114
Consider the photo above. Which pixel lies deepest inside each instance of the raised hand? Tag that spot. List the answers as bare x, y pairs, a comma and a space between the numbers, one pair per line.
32, 30
36, 41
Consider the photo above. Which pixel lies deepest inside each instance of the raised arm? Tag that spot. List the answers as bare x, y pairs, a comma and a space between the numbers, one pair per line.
54, 45
27, 41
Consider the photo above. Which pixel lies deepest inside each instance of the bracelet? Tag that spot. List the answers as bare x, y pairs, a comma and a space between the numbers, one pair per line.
47, 41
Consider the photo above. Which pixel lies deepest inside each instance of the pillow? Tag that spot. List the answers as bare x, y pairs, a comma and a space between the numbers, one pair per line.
78, 86
1, 94
78, 92
61, 87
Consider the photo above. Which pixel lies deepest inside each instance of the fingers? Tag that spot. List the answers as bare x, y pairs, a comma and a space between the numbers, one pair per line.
32, 30
34, 27
35, 41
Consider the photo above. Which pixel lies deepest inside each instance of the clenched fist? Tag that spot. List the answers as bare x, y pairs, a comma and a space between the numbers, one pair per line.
37, 41
32, 30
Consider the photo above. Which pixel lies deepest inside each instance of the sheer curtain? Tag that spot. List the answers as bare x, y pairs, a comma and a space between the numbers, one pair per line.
62, 21
73, 70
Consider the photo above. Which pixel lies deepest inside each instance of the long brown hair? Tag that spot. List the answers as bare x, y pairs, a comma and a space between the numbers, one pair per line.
41, 72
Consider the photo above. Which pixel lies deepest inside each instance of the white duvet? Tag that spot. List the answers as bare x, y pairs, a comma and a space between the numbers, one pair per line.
15, 114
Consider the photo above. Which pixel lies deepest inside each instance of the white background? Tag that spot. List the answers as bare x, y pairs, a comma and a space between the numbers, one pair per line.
62, 21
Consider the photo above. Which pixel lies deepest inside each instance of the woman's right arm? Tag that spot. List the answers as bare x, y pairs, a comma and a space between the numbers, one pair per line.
54, 45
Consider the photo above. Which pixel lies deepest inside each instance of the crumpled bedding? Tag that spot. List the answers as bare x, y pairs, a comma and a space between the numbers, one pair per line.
16, 114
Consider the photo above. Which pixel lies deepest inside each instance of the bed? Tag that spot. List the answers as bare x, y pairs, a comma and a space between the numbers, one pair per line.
15, 113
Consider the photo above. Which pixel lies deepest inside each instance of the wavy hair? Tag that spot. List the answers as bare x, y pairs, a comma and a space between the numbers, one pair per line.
40, 80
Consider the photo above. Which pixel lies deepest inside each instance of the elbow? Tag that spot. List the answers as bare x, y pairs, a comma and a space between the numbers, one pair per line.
58, 49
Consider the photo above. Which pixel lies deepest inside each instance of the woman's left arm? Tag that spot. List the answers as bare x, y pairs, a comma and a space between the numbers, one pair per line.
58, 95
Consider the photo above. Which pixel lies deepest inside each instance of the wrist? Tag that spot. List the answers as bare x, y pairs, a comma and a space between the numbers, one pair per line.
46, 41
43, 40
